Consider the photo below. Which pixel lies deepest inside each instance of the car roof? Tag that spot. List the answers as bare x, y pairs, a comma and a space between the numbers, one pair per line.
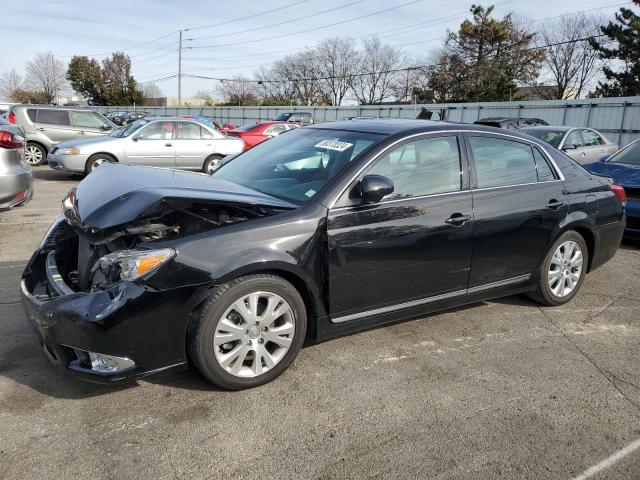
559, 128
51, 107
392, 126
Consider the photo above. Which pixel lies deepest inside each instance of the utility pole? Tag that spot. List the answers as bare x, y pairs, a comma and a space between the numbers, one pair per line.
180, 70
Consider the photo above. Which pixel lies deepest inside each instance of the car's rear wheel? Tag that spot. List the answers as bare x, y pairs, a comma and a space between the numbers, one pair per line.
95, 161
248, 331
35, 154
563, 270
212, 163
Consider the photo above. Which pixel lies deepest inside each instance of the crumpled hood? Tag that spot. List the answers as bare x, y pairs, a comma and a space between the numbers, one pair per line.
116, 194
623, 174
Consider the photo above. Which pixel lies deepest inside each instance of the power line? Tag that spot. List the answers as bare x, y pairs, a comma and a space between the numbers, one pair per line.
265, 12
124, 49
305, 17
395, 70
309, 29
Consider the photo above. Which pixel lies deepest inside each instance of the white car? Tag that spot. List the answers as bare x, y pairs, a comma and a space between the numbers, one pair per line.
155, 141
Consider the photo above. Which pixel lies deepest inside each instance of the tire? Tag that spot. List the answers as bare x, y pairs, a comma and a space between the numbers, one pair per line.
558, 288
94, 161
35, 154
235, 352
212, 163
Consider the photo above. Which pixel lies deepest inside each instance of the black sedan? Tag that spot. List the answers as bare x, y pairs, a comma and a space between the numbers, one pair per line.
322, 232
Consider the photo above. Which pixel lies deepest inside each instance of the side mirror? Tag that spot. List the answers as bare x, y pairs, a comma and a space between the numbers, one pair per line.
374, 188
569, 146
105, 127
135, 138
604, 158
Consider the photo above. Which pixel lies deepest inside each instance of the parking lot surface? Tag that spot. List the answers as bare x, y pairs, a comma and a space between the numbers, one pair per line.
501, 389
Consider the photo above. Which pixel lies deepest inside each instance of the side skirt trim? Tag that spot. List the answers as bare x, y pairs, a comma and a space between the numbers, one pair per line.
436, 298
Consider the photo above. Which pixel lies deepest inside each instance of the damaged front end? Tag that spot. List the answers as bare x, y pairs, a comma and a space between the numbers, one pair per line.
110, 300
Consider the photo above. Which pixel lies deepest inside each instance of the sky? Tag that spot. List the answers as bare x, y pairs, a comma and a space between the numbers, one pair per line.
222, 41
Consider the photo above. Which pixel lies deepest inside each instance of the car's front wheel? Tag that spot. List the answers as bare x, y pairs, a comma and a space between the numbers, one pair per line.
35, 154
95, 161
248, 332
563, 270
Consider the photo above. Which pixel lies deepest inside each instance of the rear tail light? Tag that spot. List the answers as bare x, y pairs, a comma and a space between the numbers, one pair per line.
7, 140
619, 192
12, 117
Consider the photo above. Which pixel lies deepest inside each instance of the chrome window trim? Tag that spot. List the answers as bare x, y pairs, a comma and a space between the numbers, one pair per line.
558, 172
435, 298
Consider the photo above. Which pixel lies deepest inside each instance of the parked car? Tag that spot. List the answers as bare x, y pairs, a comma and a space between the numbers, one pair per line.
257, 132
584, 145
510, 123
117, 117
16, 181
154, 141
322, 232
46, 126
304, 118
624, 168
133, 116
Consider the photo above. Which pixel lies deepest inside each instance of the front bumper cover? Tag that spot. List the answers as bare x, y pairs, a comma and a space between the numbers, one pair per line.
130, 320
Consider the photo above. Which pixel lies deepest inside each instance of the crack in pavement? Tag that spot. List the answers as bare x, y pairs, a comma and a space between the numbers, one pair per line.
601, 370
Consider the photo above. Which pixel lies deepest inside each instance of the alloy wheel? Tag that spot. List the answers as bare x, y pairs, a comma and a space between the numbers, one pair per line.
33, 155
213, 165
565, 269
254, 334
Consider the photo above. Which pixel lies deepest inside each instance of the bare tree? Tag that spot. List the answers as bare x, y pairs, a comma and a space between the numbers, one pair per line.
240, 90
46, 74
337, 63
273, 89
569, 68
151, 90
377, 77
10, 83
301, 70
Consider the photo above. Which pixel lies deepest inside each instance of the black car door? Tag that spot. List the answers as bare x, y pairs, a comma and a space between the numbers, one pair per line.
519, 202
412, 246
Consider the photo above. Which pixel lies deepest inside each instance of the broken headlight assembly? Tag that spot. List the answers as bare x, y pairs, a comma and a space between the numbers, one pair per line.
130, 265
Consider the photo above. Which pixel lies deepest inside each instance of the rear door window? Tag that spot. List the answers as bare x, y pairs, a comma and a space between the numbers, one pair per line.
32, 113
590, 138
86, 120
54, 117
545, 173
574, 138
188, 131
502, 162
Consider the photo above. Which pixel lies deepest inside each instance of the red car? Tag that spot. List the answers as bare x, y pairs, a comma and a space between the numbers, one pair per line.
255, 133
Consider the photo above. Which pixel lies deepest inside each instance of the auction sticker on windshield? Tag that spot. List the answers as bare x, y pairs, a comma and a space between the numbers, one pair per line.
336, 145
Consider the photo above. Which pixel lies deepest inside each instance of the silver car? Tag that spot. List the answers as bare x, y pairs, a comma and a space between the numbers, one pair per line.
584, 145
16, 181
46, 125
157, 142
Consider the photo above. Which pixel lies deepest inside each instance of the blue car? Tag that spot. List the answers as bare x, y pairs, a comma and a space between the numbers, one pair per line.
624, 168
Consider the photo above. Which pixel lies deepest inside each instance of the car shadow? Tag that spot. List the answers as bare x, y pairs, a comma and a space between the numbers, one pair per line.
54, 175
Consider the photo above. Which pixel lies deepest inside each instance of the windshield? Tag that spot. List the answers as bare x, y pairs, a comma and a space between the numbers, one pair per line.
629, 155
296, 166
552, 137
129, 129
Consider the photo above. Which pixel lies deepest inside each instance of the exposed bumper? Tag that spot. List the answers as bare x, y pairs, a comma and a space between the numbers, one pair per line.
68, 163
16, 188
607, 241
129, 321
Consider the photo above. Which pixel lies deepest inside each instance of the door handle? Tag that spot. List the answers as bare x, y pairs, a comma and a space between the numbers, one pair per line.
457, 220
168, 145
40, 129
81, 132
555, 205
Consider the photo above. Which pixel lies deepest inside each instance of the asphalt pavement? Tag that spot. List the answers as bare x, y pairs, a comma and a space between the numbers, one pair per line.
500, 389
